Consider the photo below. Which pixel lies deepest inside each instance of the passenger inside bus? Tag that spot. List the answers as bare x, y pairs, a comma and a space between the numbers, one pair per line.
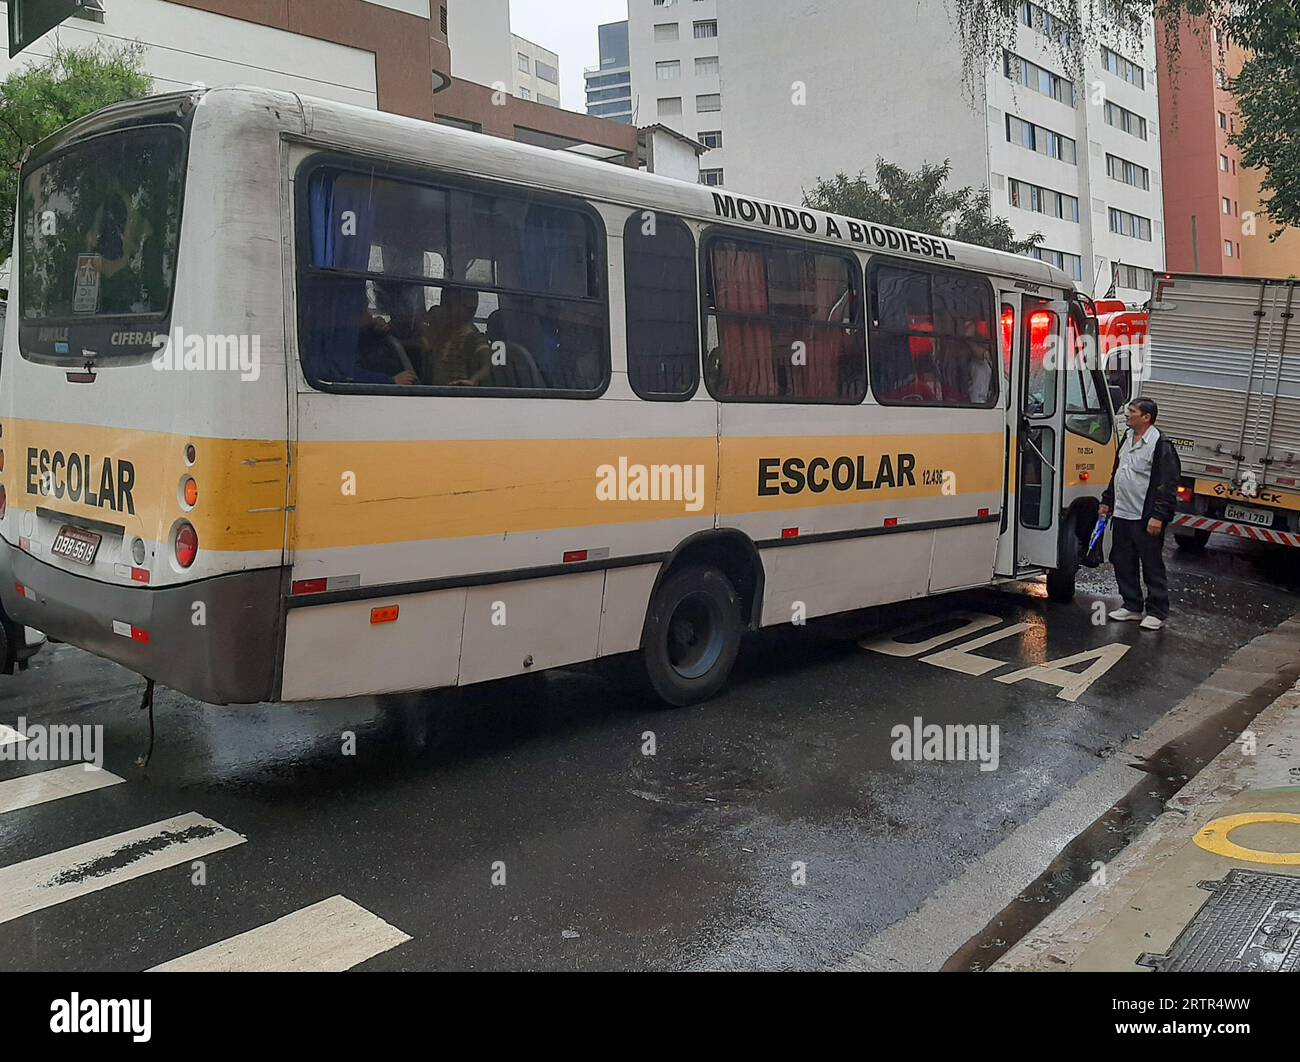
454, 352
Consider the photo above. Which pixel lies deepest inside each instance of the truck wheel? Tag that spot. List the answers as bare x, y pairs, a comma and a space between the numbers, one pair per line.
1193, 543
1061, 580
692, 636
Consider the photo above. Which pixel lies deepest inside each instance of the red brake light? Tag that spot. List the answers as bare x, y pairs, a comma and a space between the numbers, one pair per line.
187, 545
1041, 325
1008, 328
1184, 493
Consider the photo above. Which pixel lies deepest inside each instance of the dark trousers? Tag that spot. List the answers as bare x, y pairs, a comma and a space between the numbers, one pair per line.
1133, 548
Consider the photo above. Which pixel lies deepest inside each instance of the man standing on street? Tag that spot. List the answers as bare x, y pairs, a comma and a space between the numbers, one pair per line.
1141, 498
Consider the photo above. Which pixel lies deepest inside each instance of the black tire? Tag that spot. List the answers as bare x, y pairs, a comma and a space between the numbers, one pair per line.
1061, 579
692, 636
1193, 543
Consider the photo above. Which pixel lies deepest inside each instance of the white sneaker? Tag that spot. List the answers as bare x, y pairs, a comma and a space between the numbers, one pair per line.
1123, 615
1152, 623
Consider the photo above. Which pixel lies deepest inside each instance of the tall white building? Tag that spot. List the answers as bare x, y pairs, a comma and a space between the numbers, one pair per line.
485, 51
677, 76
536, 71
813, 89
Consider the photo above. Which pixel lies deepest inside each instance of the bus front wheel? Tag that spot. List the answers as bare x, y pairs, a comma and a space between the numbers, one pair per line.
692, 636
1061, 579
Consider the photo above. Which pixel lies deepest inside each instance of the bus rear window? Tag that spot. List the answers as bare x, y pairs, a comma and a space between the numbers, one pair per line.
100, 228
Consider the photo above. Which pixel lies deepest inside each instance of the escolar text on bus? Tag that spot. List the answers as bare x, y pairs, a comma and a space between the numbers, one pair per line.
794, 475
105, 484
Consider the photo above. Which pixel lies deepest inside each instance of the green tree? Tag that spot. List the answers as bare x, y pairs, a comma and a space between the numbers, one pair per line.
1267, 91
919, 201
41, 99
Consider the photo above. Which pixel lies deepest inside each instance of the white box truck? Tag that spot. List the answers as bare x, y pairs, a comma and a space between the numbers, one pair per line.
1223, 365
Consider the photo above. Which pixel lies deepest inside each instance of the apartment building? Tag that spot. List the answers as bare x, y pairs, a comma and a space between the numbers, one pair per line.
1215, 221
806, 91
609, 85
675, 59
393, 55
536, 71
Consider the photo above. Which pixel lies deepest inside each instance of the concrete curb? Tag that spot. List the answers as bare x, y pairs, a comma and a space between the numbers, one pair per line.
1060, 939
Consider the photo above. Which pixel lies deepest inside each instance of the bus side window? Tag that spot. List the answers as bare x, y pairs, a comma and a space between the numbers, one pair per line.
663, 318
932, 338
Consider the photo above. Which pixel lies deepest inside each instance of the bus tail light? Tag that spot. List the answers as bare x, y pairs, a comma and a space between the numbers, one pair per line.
1184, 493
187, 545
1042, 323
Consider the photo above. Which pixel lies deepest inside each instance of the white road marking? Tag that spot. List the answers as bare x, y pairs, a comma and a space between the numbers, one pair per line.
10, 736
891, 646
963, 657
34, 789
327, 937
52, 879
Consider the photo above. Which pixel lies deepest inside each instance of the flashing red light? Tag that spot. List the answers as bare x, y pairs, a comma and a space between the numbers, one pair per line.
187, 545
1008, 328
1041, 325
1184, 493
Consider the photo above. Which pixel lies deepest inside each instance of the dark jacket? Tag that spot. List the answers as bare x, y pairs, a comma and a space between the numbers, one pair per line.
1162, 491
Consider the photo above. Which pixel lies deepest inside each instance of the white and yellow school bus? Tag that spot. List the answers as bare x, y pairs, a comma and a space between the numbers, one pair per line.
305, 401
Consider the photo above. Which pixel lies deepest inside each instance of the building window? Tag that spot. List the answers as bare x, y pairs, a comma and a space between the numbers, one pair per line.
547, 72
1070, 263
525, 94
457, 274
1123, 68
1136, 277
669, 71
1037, 18
1126, 120
706, 66
1133, 225
1227, 248
713, 177
706, 29
768, 302
1044, 141
1128, 172
708, 102
663, 317
1223, 163
1038, 79
458, 123
1223, 120
670, 107
1043, 200
523, 63
1227, 205
1221, 79
711, 138
666, 32
442, 19
932, 336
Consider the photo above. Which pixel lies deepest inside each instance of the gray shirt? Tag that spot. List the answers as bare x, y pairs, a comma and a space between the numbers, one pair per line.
1133, 476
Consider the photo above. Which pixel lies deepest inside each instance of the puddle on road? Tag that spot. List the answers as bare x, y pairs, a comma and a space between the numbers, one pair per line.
1168, 770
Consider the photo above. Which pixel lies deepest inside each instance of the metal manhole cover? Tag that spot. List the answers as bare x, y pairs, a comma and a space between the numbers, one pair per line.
1251, 924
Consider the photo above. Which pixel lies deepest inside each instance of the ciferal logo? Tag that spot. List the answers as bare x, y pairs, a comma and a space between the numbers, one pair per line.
77, 1015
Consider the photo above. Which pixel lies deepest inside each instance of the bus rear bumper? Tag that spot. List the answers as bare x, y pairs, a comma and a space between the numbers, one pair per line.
217, 640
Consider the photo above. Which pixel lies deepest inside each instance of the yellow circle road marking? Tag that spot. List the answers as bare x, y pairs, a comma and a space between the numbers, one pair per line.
1213, 837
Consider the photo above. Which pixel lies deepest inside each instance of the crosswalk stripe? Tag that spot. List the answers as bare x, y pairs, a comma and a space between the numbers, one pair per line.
50, 785
61, 876
10, 736
327, 937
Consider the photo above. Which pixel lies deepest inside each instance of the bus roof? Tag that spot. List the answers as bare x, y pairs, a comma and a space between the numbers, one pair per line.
410, 140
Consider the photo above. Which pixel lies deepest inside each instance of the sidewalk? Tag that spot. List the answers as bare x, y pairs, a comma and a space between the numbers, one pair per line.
1152, 892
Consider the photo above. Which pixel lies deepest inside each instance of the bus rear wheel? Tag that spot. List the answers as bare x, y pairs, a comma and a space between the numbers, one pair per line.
692, 636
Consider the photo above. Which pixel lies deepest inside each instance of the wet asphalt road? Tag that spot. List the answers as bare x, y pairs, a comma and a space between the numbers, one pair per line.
613, 859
